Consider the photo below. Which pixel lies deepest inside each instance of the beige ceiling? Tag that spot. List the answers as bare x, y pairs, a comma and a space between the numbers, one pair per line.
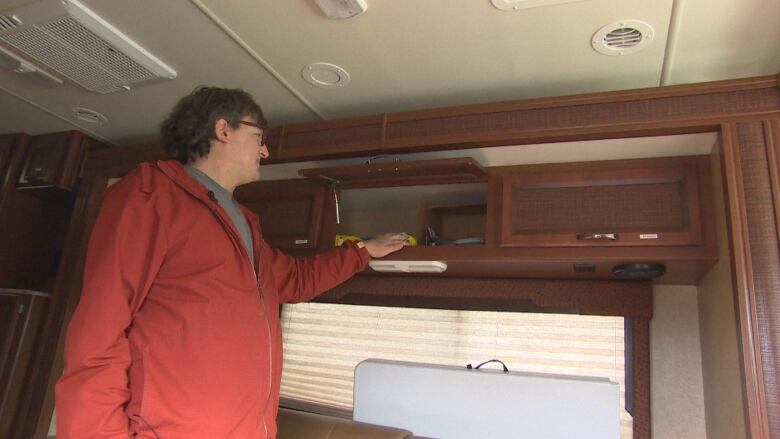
401, 55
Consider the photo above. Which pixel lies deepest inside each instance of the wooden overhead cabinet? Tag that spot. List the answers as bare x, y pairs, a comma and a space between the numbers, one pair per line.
294, 214
54, 161
642, 204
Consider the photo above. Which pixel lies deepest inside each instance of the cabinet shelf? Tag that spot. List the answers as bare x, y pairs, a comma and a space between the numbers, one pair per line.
684, 266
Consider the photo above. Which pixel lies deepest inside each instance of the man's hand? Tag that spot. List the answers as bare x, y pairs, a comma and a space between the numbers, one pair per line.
383, 245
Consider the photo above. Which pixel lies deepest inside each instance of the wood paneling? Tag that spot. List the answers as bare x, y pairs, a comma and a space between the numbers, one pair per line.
593, 297
35, 408
6, 149
20, 315
640, 372
753, 231
12, 151
630, 113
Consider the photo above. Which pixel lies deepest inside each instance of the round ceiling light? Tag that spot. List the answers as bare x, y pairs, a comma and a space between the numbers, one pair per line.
88, 116
623, 37
325, 75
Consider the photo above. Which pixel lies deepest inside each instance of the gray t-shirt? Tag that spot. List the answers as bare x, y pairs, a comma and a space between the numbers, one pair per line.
225, 199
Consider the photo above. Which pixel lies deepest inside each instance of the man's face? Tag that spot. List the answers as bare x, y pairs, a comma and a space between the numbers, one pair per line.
250, 149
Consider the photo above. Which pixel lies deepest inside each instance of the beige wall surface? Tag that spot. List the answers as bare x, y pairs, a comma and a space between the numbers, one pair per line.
719, 348
676, 393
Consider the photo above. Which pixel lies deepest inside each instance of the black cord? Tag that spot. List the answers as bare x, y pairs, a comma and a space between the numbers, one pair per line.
469, 366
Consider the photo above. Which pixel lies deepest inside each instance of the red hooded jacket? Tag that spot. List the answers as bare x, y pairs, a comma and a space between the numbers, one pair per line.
175, 335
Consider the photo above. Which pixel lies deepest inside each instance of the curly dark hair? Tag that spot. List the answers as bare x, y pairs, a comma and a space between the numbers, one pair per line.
187, 130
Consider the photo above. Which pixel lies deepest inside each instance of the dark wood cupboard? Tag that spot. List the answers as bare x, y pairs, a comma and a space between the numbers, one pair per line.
20, 317
642, 204
567, 221
39, 176
53, 163
294, 214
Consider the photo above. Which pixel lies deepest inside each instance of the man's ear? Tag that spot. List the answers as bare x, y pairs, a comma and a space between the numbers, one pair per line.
222, 130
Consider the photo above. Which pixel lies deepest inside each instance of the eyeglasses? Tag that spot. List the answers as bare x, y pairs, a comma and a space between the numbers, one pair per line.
262, 138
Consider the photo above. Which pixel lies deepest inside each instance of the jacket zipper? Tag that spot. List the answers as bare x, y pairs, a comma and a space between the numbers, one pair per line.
258, 285
261, 293
270, 342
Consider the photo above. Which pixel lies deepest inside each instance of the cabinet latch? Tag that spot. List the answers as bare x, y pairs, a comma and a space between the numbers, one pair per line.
598, 236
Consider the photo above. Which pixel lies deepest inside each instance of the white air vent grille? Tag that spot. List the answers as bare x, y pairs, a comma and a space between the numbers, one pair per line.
8, 22
108, 57
622, 37
69, 39
64, 60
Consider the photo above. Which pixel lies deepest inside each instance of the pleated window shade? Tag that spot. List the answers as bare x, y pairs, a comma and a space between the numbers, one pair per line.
324, 342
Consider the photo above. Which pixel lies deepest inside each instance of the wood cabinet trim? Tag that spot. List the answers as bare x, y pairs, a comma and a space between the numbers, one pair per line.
772, 135
661, 114
744, 287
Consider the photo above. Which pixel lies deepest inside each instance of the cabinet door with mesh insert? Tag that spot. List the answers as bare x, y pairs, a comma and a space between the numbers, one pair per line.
292, 212
610, 207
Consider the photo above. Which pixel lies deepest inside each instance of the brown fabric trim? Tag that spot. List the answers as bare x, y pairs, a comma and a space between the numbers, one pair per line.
589, 297
765, 258
641, 377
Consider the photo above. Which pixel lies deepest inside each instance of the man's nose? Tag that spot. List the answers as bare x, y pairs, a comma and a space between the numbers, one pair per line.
264, 152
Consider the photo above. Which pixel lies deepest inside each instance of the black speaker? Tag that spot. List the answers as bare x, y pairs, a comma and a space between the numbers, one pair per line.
638, 271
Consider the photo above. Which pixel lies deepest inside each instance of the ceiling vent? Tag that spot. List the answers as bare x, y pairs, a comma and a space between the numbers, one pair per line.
325, 75
69, 39
623, 37
89, 116
12, 61
8, 22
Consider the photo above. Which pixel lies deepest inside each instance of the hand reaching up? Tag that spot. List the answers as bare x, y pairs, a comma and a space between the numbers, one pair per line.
383, 245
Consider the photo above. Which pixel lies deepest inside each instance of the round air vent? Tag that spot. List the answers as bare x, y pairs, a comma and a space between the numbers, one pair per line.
638, 271
623, 37
325, 75
89, 116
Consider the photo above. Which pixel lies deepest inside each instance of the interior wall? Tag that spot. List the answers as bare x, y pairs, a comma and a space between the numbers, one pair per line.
719, 341
676, 392
369, 223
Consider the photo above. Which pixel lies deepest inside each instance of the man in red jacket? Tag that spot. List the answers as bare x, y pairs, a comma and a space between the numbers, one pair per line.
177, 333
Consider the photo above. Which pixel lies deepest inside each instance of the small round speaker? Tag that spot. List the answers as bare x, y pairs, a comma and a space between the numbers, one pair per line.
638, 271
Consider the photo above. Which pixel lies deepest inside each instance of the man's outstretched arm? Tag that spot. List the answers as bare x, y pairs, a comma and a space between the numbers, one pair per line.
302, 279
